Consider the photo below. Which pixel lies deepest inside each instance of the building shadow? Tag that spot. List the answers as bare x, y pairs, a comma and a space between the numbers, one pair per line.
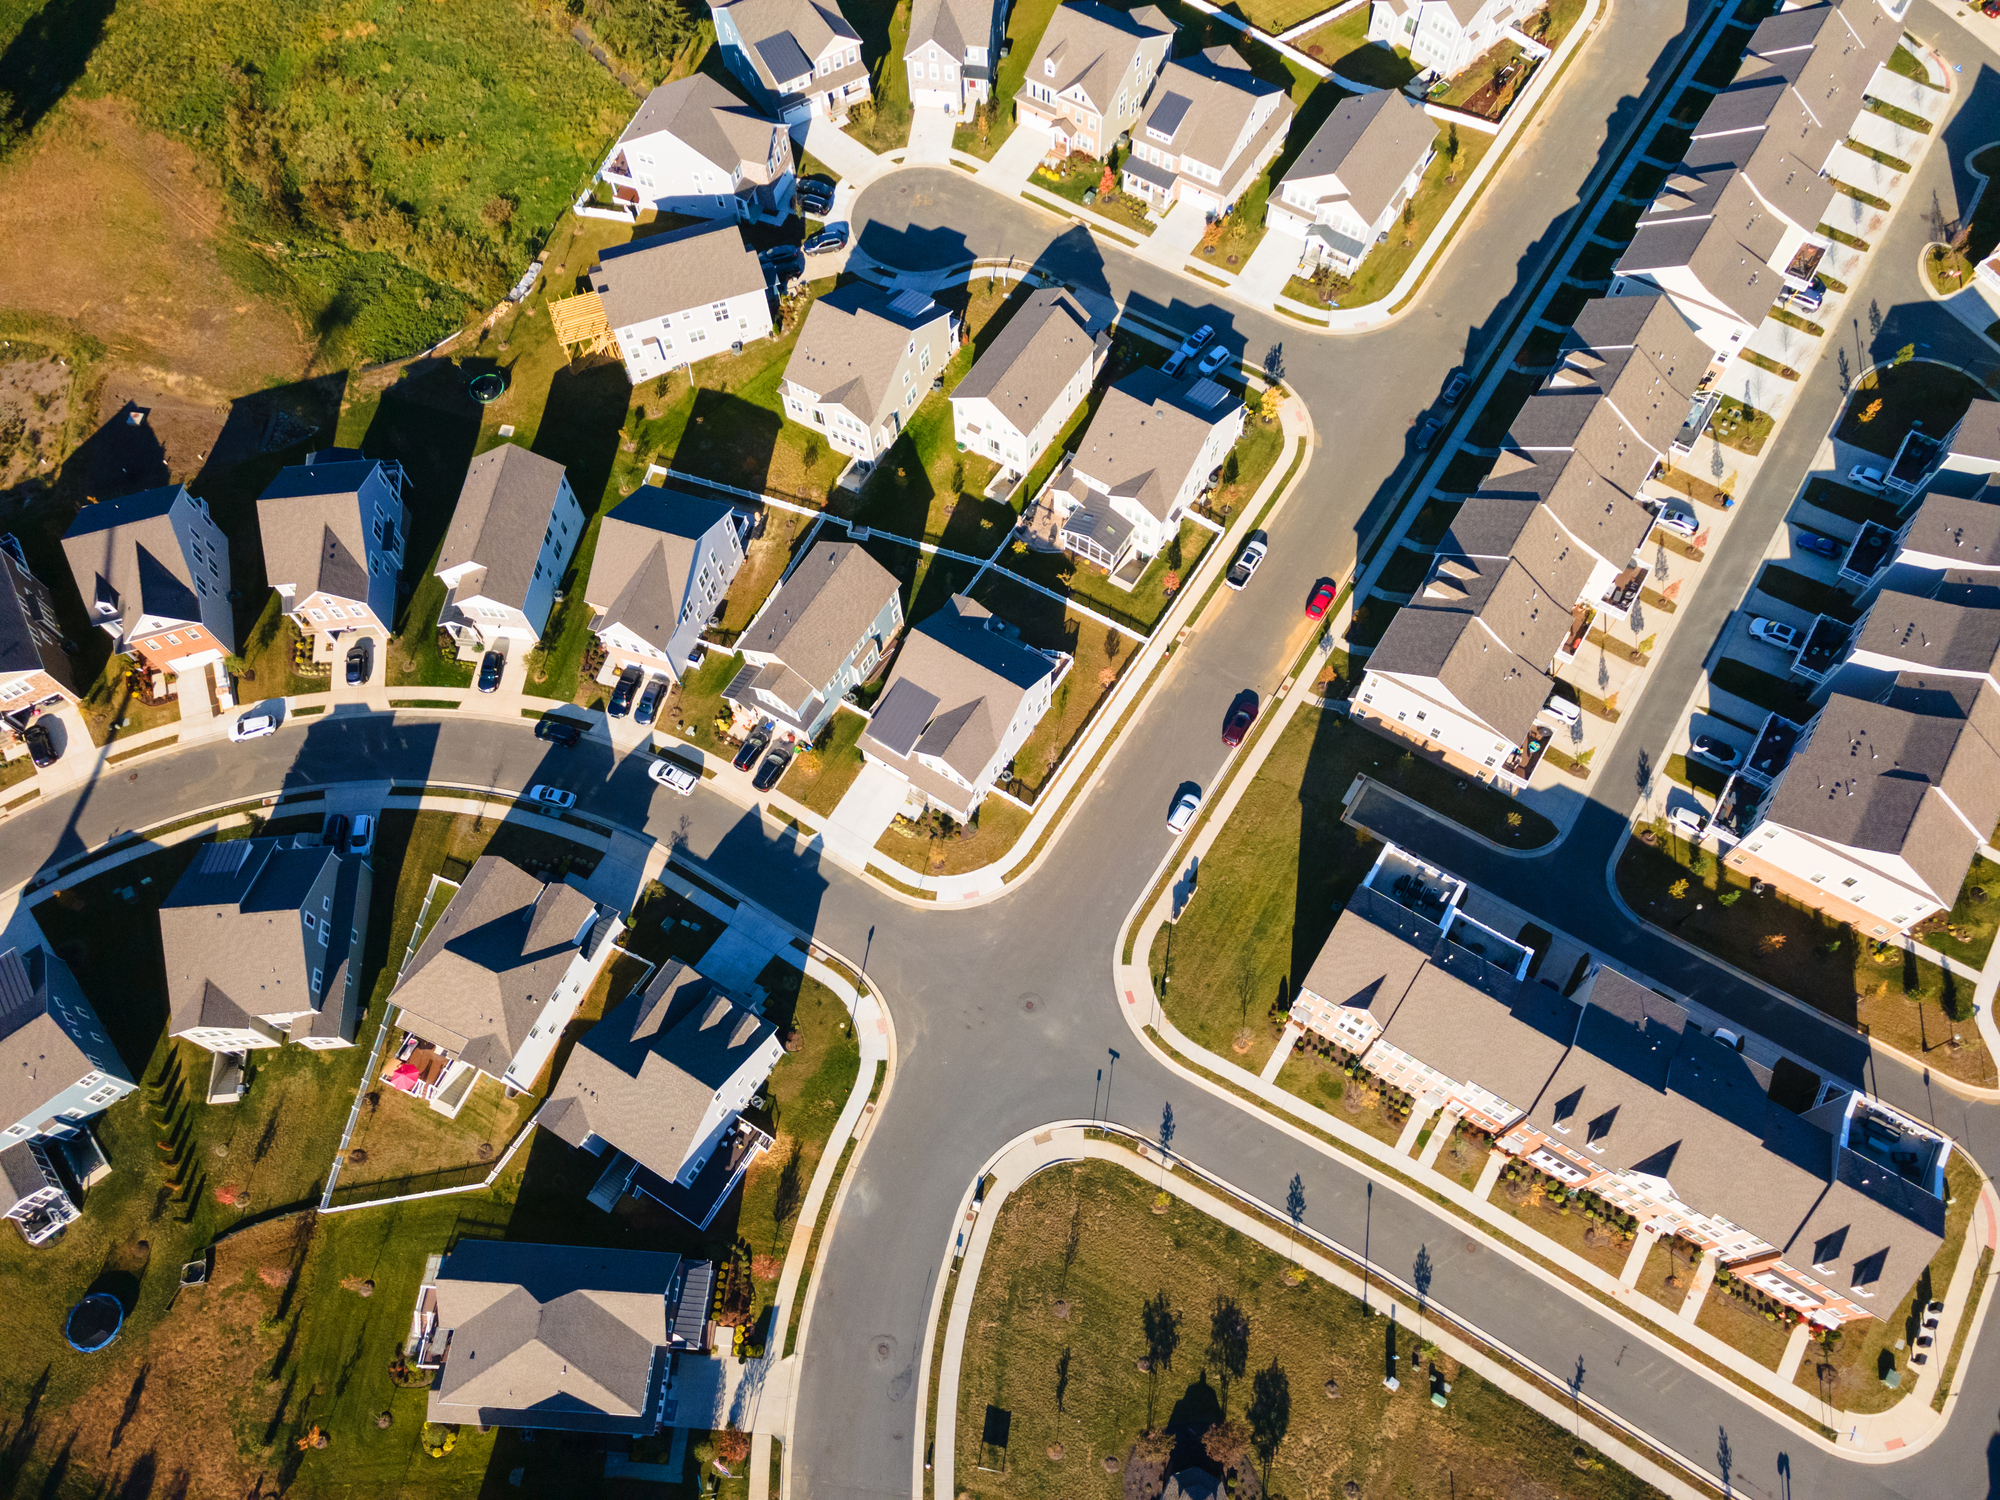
47, 55
1971, 126
427, 423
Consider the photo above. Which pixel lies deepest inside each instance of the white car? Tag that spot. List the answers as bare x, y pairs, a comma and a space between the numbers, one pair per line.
253, 727
1239, 575
1868, 478
1775, 633
1213, 360
362, 839
1563, 711
1679, 523
674, 777
551, 796
1688, 823
1185, 807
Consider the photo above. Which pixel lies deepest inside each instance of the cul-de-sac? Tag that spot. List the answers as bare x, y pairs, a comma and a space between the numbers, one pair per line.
997, 749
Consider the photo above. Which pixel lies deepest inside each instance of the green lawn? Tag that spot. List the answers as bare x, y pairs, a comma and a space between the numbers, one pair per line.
690, 710
1343, 46
883, 124
993, 123
820, 777
1274, 881
1079, 179
1142, 605
1742, 427
1057, 1332
1965, 933
1101, 656
996, 827
1384, 266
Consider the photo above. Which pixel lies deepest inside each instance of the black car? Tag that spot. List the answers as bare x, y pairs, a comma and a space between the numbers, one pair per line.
1455, 387
752, 748
491, 665
831, 238
621, 695
773, 767
815, 196
649, 701
558, 729
1719, 751
334, 834
41, 745
1428, 434
782, 262
357, 663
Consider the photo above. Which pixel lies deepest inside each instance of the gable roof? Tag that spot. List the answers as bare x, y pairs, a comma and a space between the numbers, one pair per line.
1024, 371
126, 553
314, 531
1500, 688
234, 938
1201, 104
502, 946
669, 273
1597, 512
785, 38
1371, 144
1476, 1024
1964, 529
30, 629
952, 25
1143, 441
1091, 46
504, 508
38, 1056
704, 114
1931, 634
643, 1077
853, 341
647, 549
821, 611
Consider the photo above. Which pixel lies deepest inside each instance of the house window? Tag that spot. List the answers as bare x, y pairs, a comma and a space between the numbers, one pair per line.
173, 640
721, 311
316, 981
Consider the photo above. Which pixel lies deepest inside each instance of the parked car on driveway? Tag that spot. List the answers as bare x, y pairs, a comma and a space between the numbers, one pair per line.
1825, 546
357, 662
622, 694
1185, 807
1720, 751
1214, 360
1190, 346
782, 262
1246, 564
253, 727
815, 195
649, 701
752, 748
362, 839
1688, 823
1321, 601
1679, 522
773, 768
1865, 475
1775, 633
1242, 714
41, 745
491, 666
829, 239
675, 778
1563, 711
551, 796
333, 835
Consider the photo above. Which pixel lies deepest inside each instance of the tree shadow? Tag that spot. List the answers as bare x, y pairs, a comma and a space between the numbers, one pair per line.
45, 58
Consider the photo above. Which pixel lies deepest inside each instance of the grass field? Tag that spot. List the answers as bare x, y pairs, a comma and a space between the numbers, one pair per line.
1025, 24
821, 776
1965, 933
885, 27
996, 828
1058, 1328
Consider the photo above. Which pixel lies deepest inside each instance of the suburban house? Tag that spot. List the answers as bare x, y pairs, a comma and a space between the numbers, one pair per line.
963, 696
798, 58
676, 299
663, 565
825, 629
498, 978
1949, 545
1342, 195
262, 946
1148, 454
559, 1338
153, 570
1962, 461
513, 532
1211, 127
34, 668
1827, 1202
661, 1084
863, 361
1876, 818
32, 1191
695, 149
1090, 77
953, 48
1443, 36
1020, 391
333, 530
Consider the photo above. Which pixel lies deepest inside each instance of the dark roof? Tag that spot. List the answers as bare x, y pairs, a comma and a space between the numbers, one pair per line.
1964, 529
1978, 433
1932, 634
38, 1056
504, 508
1475, 1024
1371, 144
30, 629
1450, 646
648, 547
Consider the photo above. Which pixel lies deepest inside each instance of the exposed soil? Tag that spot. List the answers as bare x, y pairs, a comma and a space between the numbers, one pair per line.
34, 413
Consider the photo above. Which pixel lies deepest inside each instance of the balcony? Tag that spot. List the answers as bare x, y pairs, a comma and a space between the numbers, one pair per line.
1521, 761
1737, 809
1874, 547
1580, 617
1916, 460
1773, 750
1624, 590
1804, 265
1824, 649
1699, 411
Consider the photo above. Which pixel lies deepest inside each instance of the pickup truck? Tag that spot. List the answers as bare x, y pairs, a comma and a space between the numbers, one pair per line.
1246, 565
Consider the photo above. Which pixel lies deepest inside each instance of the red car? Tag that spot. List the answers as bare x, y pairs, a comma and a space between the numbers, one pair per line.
1241, 717
1322, 599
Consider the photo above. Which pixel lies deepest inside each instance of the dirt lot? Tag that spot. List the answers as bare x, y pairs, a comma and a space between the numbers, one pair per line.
34, 414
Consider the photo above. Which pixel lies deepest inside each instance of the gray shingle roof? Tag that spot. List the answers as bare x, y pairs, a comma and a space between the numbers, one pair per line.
851, 345
234, 937
1967, 530
1202, 103
668, 273
643, 1077
953, 25
1371, 144
1978, 435
819, 614
1931, 633
703, 113
1092, 46
38, 1056
645, 557
30, 629
1364, 965
1029, 364
1587, 506
125, 552
1143, 441
315, 536
1502, 689
504, 508
784, 38
1472, 1024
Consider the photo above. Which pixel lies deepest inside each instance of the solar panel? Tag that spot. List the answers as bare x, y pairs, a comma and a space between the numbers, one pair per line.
901, 716
222, 859
912, 304
1206, 394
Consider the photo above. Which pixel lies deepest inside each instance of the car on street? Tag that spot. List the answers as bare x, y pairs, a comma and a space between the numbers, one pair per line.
1679, 522
752, 748
1455, 387
357, 662
1563, 710
1214, 360
623, 693
673, 776
1825, 546
1246, 564
649, 701
491, 666
41, 745
1242, 714
815, 195
1428, 434
829, 239
253, 727
1185, 807
558, 729
1720, 751
362, 839
773, 768
1688, 823
1321, 601
1865, 475
1775, 633
1190, 346
551, 796
782, 262
334, 834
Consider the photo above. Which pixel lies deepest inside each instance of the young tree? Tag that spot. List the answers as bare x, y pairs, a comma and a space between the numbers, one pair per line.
1295, 1204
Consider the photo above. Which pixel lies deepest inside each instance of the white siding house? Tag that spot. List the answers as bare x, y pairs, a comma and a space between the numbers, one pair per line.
677, 299
1016, 397
515, 528
694, 148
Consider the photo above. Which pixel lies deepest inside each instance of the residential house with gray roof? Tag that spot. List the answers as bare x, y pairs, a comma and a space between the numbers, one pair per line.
964, 695
333, 529
562, 1338
1342, 195
800, 59
676, 299
662, 568
661, 1084
153, 573
262, 940
863, 361
1150, 452
34, 669
823, 632
1091, 75
512, 534
1023, 387
953, 48
1444, 36
1209, 130
501, 974
33, 1194
694, 148
58, 1067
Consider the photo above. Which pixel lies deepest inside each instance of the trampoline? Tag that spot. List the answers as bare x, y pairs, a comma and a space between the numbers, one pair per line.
487, 388
94, 1322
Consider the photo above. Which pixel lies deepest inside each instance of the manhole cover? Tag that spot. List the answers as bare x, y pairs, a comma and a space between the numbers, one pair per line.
882, 1348
1472, 1247
1030, 1002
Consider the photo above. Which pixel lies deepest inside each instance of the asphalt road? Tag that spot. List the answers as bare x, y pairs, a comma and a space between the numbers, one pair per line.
977, 1064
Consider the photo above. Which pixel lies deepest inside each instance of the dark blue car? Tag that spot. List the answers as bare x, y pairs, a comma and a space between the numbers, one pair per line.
1825, 546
